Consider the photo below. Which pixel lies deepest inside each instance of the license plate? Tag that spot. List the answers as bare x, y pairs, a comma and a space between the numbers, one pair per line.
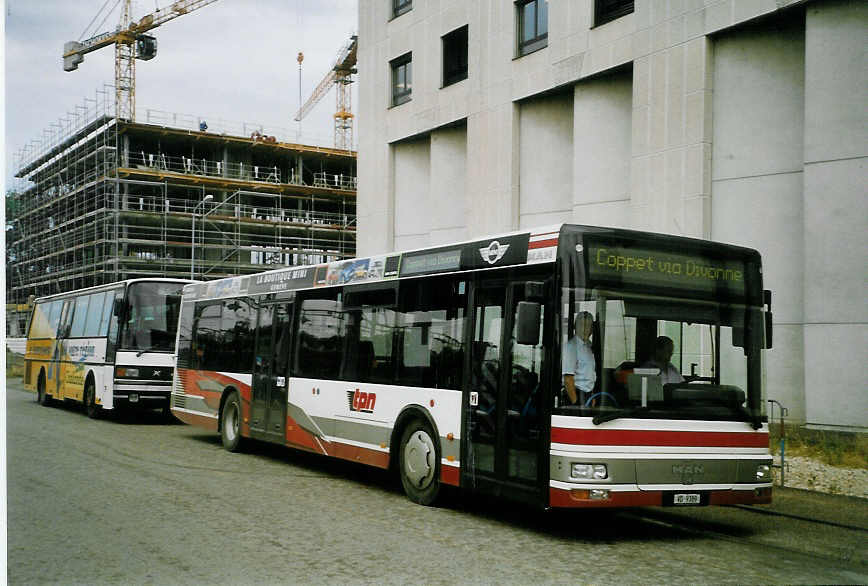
134, 398
691, 498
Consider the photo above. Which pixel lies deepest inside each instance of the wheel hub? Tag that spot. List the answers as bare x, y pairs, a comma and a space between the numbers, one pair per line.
418, 456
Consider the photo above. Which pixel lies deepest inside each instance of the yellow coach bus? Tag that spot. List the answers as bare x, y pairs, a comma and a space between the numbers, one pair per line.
105, 346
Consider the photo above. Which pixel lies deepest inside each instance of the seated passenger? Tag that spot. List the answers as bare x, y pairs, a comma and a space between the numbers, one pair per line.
663, 349
578, 361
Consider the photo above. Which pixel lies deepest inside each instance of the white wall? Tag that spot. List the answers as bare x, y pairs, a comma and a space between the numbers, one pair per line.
602, 138
836, 213
448, 200
758, 111
546, 161
412, 168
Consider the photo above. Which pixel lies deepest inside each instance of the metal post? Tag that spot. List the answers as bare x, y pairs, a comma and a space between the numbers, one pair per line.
208, 197
783, 444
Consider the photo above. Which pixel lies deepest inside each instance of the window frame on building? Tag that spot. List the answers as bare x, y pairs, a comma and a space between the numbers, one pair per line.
539, 40
400, 7
454, 47
609, 10
403, 96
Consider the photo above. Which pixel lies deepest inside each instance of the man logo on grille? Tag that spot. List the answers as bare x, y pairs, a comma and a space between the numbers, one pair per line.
493, 252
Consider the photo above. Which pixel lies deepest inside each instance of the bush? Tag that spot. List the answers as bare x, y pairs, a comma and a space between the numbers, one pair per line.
837, 448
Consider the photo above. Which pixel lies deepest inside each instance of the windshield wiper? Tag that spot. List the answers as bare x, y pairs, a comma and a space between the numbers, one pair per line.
140, 352
612, 415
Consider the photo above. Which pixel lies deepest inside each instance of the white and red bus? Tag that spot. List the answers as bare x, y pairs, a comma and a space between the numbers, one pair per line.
445, 364
105, 346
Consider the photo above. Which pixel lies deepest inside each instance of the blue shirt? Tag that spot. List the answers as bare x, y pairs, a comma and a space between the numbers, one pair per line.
578, 360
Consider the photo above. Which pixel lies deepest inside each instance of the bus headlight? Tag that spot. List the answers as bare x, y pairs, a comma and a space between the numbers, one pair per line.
589, 471
763, 473
123, 372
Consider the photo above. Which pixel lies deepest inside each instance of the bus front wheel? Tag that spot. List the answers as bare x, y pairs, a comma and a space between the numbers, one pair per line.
90, 407
230, 423
419, 463
42, 397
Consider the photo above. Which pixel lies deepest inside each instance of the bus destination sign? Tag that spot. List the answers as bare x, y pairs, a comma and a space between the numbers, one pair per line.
645, 267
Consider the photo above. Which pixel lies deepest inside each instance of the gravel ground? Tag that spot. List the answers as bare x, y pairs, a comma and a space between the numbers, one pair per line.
810, 474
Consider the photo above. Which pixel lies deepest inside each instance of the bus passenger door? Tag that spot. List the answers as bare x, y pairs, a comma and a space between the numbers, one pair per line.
268, 397
503, 430
57, 368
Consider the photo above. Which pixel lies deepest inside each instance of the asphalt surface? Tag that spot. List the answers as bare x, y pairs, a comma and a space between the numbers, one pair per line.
136, 500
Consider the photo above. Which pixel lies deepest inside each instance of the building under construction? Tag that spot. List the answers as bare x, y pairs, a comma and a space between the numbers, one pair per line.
103, 199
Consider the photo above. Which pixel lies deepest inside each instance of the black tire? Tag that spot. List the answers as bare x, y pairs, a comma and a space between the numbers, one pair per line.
92, 410
419, 463
230, 423
42, 397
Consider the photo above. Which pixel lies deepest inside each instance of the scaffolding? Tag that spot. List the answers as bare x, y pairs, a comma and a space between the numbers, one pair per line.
100, 199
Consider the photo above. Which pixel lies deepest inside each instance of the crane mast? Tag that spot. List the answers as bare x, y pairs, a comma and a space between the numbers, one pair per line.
339, 76
130, 43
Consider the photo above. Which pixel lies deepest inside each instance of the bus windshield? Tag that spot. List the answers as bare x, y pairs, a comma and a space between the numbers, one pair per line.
151, 316
659, 357
651, 327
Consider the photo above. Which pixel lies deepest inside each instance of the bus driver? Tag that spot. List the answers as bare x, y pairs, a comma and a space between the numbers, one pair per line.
578, 360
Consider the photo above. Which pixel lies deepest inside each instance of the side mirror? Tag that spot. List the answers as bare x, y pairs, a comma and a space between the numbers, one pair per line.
767, 300
528, 329
118, 308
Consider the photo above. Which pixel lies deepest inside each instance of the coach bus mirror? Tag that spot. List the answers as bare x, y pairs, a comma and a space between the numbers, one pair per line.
529, 313
534, 290
769, 329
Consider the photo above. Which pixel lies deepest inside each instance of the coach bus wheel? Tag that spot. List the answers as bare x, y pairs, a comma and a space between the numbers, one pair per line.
41, 396
90, 407
230, 420
420, 463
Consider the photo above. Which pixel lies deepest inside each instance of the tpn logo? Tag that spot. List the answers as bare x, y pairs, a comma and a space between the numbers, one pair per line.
361, 401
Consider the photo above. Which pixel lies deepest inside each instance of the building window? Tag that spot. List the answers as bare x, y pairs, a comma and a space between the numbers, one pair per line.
533, 25
607, 10
455, 56
402, 79
399, 7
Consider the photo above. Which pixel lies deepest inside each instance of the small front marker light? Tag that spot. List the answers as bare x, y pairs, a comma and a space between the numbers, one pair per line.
763, 473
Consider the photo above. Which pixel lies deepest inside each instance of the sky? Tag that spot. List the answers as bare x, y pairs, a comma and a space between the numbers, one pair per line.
233, 60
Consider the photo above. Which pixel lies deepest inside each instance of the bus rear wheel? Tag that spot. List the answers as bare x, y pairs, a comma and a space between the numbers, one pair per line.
90, 407
42, 397
230, 423
419, 460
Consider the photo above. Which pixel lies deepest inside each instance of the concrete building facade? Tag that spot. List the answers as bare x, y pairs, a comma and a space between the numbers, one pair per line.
732, 120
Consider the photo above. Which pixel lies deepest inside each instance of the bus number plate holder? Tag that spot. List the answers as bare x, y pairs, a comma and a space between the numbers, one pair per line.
686, 498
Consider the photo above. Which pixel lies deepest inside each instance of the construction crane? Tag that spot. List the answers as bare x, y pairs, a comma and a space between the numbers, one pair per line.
130, 43
340, 76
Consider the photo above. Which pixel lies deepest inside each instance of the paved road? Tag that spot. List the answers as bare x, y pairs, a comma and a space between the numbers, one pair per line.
138, 501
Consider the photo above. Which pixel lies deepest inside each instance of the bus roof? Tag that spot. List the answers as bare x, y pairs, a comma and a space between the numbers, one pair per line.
523, 247
106, 286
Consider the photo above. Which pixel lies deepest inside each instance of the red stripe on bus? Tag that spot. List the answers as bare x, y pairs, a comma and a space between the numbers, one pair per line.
542, 243
628, 437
